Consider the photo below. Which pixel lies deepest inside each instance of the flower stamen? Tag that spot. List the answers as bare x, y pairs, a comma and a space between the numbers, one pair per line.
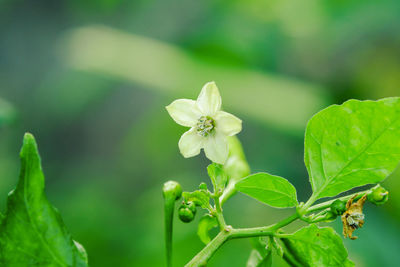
205, 126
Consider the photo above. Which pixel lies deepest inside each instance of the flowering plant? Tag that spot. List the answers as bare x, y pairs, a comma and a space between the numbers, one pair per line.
346, 146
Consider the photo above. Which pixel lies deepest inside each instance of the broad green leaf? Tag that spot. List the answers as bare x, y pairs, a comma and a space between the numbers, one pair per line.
258, 260
198, 197
206, 223
32, 232
217, 176
314, 246
269, 189
236, 167
352, 144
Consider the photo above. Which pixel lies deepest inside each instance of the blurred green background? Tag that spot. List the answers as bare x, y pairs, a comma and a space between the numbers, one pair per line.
90, 79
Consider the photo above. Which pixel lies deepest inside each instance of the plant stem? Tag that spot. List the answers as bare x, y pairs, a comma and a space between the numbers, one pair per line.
169, 205
229, 233
326, 204
262, 231
228, 192
202, 257
219, 215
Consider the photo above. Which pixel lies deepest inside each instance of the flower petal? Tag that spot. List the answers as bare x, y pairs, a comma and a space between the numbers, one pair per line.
190, 143
216, 148
227, 124
209, 100
184, 112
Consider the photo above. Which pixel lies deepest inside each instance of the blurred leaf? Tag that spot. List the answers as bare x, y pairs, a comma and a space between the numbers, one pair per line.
32, 232
7, 113
171, 70
236, 166
278, 248
217, 176
352, 144
314, 246
206, 223
269, 189
258, 260
198, 197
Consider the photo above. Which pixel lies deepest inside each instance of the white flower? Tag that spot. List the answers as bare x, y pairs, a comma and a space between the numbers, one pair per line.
210, 126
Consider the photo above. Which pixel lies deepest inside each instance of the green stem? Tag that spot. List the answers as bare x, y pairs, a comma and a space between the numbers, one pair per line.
228, 192
169, 206
219, 215
327, 204
264, 230
202, 257
230, 233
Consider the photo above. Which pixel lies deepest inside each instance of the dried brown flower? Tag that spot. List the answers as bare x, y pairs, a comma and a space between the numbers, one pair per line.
353, 217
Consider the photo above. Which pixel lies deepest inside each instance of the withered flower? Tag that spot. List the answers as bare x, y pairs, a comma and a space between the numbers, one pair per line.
353, 217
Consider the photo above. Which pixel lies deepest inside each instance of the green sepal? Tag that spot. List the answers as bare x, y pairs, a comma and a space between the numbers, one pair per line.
338, 207
199, 197
378, 195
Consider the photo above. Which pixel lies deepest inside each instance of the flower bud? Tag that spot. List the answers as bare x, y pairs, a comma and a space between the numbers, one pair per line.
378, 195
203, 186
172, 189
338, 207
192, 207
185, 214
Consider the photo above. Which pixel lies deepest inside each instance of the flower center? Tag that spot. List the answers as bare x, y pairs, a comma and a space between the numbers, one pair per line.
204, 126
354, 219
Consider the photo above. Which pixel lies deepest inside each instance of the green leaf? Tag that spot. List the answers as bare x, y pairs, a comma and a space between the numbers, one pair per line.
198, 197
217, 176
314, 246
352, 144
206, 223
349, 263
32, 232
258, 260
269, 189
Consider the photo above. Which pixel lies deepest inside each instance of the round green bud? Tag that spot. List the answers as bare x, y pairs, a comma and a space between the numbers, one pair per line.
172, 189
338, 207
378, 195
203, 186
185, 214
192, 207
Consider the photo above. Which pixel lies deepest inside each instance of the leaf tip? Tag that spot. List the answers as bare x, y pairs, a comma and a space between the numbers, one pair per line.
29, 138
29, 145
